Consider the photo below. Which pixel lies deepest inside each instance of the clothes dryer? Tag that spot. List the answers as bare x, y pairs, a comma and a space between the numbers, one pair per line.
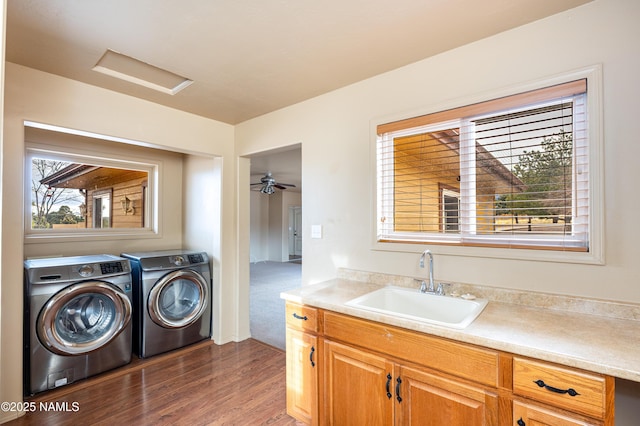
77, 319
172, 300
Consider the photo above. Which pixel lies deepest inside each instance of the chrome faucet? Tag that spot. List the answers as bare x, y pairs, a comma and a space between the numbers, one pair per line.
423, 285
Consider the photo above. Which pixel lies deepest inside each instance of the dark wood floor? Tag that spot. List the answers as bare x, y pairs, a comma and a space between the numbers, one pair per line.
204, 384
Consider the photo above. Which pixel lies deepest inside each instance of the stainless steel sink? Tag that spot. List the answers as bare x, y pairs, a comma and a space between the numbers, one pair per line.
411, 304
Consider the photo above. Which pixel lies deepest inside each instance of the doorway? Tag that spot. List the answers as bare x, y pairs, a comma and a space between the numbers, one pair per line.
295, 233
276, 243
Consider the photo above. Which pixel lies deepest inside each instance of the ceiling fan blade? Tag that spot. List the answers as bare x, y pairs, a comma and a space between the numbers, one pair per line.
269, 182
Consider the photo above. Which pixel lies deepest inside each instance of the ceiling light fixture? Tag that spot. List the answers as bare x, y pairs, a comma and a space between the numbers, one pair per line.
267, 189
135, 71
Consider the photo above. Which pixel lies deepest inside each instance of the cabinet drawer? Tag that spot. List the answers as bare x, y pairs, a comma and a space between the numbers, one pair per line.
465, 361
560, 386
303, 318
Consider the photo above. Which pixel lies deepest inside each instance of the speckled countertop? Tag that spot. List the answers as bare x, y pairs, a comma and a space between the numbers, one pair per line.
607, 342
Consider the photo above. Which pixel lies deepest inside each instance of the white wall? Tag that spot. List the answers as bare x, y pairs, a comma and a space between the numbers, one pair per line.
275, 227
336, 140
201, 209
45, 98
269, 224
259, 227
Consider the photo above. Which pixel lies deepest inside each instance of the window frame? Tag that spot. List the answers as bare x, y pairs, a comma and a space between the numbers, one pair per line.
595, 254
152, 167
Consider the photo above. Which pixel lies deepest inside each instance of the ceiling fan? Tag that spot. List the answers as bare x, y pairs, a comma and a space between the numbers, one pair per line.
269, 183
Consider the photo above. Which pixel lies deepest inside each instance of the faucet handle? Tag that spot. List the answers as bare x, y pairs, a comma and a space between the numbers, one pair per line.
441, 289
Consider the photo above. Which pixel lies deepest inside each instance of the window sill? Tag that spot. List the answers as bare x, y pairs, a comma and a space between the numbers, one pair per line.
559, 256
90, 235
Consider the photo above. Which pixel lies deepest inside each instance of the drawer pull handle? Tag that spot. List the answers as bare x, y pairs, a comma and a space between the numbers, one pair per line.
296, 316
521, 422
313, 351
570, 391
399, 382
389, 386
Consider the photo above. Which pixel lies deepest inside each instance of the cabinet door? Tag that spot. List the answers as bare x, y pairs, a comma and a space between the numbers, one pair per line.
525, 414
302, 377
427, 399
359, 387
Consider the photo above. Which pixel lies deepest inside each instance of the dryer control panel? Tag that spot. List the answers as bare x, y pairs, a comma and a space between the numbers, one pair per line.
171, 261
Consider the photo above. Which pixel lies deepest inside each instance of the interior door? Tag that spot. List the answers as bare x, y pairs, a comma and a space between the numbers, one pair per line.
297, 231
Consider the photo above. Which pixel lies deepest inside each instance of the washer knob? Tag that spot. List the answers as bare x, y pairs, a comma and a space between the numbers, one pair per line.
85, 270
178, 260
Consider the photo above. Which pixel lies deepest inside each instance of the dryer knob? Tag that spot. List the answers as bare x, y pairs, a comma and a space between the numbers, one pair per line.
85, 270
178, 260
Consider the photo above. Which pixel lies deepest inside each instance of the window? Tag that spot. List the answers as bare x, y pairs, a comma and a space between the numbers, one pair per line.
512, 172
450, 211
75, 194
101, 209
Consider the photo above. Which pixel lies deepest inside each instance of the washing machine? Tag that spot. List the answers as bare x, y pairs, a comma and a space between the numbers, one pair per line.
172, 300
78, 319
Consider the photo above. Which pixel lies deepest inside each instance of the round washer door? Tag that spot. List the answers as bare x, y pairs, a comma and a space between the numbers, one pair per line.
178, 299
83, 317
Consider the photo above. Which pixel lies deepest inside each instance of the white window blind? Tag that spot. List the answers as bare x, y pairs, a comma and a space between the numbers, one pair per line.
511, 172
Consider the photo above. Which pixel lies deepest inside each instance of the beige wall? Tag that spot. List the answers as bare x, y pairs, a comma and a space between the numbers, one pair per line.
269, 225
259, 227
336, 134
337, 129
44, 98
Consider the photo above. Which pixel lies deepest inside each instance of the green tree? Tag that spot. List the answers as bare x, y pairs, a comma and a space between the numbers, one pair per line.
64, 215
547, 177
45, 198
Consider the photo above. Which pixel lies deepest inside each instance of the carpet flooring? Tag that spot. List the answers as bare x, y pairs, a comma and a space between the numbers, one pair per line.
267, 281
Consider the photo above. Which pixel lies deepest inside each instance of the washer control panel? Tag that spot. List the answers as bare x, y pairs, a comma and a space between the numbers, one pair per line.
62, 269
111, 268
106, 268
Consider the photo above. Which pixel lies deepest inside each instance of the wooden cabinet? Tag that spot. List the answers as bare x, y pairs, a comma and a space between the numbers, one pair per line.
364, 385
302, 368
428, 399
357, 386
363, 388
343, 370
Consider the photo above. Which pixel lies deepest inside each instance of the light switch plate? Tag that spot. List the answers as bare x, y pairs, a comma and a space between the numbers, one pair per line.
316, 231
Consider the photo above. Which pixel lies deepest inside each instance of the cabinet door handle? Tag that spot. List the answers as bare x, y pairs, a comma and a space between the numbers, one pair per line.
389, 386
313, 351
296, 316
570, 391
521, 422
398, 383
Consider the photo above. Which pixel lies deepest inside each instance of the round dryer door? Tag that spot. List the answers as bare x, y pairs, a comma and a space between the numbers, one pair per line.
83, 317
178, 299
